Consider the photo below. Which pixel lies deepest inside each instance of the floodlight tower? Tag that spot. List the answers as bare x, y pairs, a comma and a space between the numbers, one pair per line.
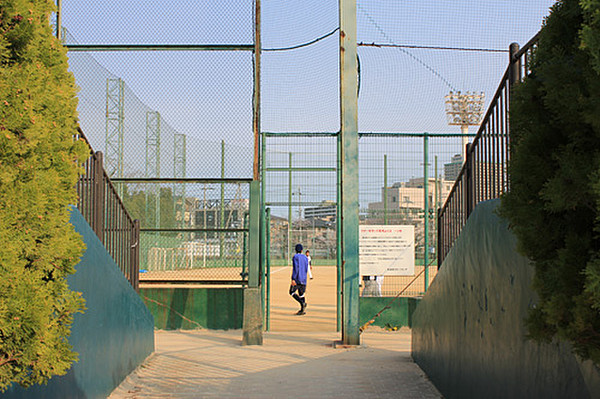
113, 151
464, 110
179, 163
153, 164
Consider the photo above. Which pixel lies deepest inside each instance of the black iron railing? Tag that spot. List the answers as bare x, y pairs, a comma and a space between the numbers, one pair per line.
484, 174
100, 204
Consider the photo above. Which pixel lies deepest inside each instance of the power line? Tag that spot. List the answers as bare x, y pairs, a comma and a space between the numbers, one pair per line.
415, 58
303, 44
485, 50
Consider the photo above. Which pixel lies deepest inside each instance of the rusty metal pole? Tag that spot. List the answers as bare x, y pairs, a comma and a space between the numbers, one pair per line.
98, 199
256, 92
59, 20
514, 64
253, 316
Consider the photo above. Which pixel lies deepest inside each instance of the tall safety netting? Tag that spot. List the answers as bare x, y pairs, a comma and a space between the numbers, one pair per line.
411, 56
177, 113
186, 113
299, 118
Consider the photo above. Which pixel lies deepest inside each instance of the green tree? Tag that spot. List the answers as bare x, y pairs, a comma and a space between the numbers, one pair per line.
554, 199
38, 171
141, 205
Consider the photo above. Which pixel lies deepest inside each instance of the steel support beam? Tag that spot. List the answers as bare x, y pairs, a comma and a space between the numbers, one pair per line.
349, 192
160, 47
363, 134
207, 180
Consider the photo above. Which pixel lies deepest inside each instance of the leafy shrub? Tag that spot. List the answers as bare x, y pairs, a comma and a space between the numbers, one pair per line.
38, 172
554, 199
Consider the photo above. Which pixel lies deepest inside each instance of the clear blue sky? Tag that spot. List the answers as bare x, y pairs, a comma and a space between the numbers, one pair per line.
302, 84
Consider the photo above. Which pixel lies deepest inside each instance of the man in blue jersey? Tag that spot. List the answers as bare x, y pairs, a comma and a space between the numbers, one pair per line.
299, 271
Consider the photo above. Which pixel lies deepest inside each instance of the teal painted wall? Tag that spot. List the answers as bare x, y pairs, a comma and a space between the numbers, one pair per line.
398, 315
191, 308
468, 332
222, 308
112, 337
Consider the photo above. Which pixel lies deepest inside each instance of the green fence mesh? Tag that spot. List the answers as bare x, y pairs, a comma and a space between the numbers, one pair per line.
188, 114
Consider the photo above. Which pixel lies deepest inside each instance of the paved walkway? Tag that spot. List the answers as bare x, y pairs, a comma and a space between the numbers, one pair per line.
213, 364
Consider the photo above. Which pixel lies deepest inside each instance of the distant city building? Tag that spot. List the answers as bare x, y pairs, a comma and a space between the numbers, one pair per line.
406, 199
208, 214
325, 211
452, 169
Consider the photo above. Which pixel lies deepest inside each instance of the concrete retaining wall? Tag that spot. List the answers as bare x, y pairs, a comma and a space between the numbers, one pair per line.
112, 337
468, 330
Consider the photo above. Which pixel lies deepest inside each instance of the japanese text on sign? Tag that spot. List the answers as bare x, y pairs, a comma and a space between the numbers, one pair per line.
387, 250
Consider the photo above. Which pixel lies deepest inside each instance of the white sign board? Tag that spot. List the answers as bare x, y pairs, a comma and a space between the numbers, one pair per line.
386, 250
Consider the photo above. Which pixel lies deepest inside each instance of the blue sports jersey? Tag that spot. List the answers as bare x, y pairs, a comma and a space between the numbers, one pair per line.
299, 268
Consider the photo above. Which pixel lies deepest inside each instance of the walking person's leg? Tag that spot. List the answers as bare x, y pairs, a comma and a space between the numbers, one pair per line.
298, 295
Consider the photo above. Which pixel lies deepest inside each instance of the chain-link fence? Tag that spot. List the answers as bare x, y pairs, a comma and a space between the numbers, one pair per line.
167, 115
195, 231
411, 55
403, 179
184, 113
301, 186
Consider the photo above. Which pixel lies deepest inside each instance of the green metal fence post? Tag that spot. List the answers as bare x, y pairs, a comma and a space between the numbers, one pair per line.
385, 190
222, 204
289, 237
263, 224
437, 202
268, 271
254, 236
426, 207
253, 308
244, 274
349, 133
338, 236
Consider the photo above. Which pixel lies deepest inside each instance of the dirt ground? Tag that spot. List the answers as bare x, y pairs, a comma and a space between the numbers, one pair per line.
320, 297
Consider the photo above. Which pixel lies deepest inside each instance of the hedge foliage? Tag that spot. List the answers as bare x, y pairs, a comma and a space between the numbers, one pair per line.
554, 199
38, 172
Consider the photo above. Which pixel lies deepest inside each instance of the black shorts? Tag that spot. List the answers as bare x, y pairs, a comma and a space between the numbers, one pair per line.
301, 288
